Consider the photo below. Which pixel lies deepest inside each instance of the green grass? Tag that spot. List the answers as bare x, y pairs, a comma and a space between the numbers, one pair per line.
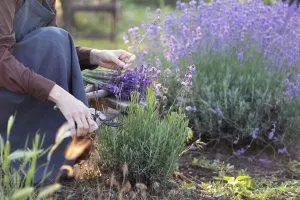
18, 184
237, 184
101, 44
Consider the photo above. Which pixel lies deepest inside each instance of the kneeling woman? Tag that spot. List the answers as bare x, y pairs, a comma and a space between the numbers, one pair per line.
40, 68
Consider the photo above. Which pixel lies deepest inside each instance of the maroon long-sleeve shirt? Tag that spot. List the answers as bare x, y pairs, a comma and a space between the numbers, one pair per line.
14, 76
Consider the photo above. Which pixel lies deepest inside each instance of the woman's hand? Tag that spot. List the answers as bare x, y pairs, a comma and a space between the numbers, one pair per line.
112, 59
75, 112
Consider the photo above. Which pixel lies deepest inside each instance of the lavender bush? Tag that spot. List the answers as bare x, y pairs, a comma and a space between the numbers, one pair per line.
148, 144
219, 26
246, 56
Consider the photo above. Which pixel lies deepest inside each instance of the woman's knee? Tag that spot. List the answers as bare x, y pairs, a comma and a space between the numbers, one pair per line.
52, 34
46, 50
44, 36
43, 41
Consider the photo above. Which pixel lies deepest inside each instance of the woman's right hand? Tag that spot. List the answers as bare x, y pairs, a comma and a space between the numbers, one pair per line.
73, 110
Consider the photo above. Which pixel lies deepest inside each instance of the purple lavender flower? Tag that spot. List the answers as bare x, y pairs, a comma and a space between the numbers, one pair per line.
271, 134
192, 68
217, 111
255, 133
169, 22
194, 147
191, 108
283, 150
198, 35
158, 88
187, 81
240, 56
179, 101
292, 86
264, 161
240, 152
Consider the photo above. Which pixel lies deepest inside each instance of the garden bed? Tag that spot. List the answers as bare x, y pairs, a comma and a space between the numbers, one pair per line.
211, 160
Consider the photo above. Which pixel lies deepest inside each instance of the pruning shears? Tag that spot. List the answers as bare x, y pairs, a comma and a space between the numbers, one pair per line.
100, 118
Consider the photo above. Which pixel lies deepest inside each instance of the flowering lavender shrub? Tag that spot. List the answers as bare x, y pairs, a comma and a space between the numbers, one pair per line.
219, 26
238, 100
245, 54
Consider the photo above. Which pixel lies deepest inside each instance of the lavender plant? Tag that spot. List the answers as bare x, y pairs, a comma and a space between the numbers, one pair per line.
148, 144
238, 101
246, 55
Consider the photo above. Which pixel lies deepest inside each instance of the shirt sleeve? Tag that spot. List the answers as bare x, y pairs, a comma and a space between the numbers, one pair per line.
14, 76
82, 52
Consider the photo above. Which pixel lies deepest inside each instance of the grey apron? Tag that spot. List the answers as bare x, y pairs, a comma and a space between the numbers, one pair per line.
50, 52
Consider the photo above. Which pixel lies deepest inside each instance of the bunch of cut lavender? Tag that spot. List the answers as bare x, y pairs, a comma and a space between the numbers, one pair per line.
123, 84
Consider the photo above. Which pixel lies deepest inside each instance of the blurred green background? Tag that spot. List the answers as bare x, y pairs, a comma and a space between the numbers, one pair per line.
131, 13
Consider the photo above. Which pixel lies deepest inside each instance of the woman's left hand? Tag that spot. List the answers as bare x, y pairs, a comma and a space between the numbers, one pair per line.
112, 59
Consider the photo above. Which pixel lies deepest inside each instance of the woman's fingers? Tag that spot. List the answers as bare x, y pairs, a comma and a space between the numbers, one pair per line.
86, 126
131, 58
71, 124
114, 59
93, 124
127, 57
80, 125
119, 62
